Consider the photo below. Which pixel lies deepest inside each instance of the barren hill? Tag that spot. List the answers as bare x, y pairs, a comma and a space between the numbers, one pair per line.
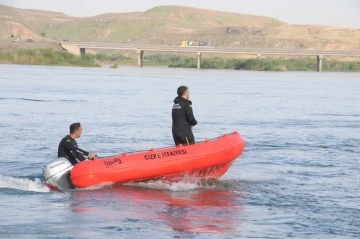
170, 25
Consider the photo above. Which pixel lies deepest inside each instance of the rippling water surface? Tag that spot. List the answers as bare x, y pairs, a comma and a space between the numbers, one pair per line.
299, 175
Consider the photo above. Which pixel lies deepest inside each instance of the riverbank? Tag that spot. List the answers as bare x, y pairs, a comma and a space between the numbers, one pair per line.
62, 58
45, 57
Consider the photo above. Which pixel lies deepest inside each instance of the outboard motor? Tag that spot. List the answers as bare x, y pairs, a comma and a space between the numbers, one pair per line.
57, 174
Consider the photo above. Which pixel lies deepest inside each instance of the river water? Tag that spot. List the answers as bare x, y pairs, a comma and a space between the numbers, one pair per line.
298, 177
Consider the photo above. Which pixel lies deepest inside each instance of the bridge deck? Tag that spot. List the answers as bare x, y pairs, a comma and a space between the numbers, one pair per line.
227, 50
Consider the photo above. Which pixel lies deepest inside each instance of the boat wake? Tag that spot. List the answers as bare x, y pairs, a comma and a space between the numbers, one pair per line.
154, 184
23, 184
175, 186
96, 187
186, 184
36, 185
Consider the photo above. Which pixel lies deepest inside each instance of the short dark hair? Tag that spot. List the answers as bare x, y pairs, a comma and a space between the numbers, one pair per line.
181, 90
74, 127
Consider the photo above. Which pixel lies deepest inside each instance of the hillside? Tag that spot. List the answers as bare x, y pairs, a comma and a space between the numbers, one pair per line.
170, 25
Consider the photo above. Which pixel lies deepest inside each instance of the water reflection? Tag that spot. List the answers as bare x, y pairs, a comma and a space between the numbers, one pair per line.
211, 210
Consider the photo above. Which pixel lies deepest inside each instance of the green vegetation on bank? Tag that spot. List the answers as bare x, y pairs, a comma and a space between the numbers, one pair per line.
114, 59
114, 66
264, 64
45, 57
62, 58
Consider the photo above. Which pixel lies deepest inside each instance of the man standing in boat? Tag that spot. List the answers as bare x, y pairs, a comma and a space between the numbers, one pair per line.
68, 147
183, 118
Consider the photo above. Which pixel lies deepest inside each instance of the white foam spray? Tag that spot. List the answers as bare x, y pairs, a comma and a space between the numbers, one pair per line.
23, 184
171, 186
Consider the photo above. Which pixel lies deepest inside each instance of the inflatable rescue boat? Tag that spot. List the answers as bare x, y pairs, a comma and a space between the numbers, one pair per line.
207, 159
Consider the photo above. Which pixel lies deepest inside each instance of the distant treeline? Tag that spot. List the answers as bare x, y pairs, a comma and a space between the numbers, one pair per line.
62, 58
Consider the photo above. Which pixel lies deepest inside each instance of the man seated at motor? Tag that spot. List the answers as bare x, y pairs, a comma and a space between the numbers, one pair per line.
68, 147
183, 118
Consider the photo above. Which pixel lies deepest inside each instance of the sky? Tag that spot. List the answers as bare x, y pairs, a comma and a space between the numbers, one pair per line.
342, 13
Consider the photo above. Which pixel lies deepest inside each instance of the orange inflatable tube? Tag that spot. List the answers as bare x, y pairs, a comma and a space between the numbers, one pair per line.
208, 159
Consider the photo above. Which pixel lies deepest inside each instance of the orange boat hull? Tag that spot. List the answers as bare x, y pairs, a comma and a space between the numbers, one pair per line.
208, 159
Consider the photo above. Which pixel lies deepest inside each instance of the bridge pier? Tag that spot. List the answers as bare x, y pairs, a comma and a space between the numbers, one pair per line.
199, 60
82, 51
319, 63
140, 54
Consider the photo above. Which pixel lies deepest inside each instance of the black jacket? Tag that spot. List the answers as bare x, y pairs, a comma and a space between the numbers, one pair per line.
182, 114
68, 149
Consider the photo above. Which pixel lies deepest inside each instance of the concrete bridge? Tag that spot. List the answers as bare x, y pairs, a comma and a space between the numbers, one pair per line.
78, 48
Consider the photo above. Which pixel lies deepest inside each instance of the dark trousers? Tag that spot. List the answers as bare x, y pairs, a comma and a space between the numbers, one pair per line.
184, 137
